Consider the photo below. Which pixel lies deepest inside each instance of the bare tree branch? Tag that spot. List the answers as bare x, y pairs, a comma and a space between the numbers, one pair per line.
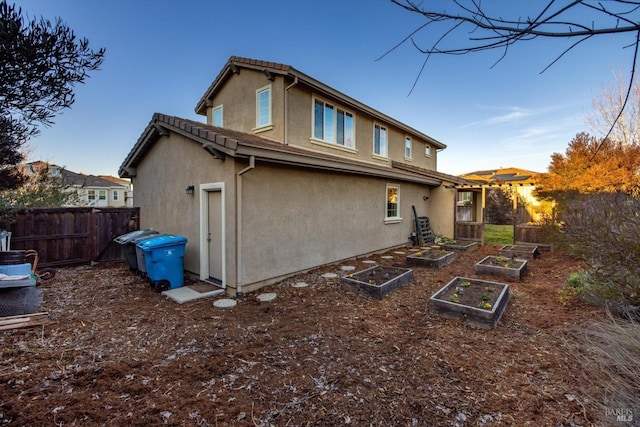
486, 29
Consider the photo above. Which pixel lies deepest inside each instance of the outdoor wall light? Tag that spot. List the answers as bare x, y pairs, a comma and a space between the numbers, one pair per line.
190, 190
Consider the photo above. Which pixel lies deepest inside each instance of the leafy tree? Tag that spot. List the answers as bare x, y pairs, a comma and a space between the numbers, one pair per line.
39, 190
588, 166
40, 62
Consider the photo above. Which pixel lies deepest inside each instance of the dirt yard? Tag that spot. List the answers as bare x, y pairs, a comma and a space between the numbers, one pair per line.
116, 353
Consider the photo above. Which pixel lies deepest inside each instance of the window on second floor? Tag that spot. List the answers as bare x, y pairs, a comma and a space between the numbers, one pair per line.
115, 195
333, 125
427, 150
380, 140
216, 116
102, 194
91, 195
263, 107
407, 147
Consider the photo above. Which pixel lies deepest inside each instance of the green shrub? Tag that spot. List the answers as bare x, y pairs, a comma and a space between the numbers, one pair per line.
604, 230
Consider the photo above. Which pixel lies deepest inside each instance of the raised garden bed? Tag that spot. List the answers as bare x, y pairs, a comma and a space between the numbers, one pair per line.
480, 303
519, 251
378, 281
460, 245
501, 266
431, 257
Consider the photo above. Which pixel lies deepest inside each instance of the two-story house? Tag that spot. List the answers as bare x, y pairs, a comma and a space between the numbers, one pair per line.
287, 174
90, 190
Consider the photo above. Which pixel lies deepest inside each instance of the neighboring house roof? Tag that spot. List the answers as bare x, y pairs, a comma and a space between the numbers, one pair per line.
224, 142
115, 179
501, 176
234, 64
74, 179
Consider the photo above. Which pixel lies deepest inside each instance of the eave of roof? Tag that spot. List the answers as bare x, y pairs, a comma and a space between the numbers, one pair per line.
240, 145
235, 62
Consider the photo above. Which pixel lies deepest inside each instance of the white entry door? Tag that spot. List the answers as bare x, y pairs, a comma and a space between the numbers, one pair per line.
212, 256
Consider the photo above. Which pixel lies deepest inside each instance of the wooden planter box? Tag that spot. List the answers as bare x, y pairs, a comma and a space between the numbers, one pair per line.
460, 246
519, 251
512, 268
372, 281
431, 258
440, 304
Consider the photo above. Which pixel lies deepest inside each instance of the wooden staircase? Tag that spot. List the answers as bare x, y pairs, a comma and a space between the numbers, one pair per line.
423, 229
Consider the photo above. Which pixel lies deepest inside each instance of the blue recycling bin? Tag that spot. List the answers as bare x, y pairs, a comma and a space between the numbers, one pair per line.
164, 259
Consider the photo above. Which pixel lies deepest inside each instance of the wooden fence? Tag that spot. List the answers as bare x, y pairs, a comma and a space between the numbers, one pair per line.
67, 236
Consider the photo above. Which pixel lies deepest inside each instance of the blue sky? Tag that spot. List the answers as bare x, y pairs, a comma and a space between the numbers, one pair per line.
162, 55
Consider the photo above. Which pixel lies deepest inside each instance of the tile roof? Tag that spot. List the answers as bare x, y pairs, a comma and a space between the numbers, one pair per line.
223, 142
283, 69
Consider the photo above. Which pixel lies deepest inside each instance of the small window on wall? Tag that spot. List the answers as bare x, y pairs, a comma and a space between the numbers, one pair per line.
393, 202
407, 147
102, 194
465, 198
263, 107
91, 194
380, 140
216, 116
115, 195
427, 150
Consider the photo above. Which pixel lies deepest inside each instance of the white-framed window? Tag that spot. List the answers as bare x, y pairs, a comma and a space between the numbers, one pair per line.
333, 125
407, 147
379, 140
392, 202
263, 107
427, 150
91, 195
116, 195
216, 116
102, 194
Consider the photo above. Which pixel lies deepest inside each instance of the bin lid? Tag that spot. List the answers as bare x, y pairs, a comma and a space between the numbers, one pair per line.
162, 241
128, 237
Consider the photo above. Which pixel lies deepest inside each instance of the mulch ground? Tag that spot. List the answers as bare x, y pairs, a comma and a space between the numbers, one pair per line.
117, 353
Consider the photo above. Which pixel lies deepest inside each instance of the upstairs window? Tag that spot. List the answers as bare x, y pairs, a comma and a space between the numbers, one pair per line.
102, 194
427, 150
380, 140
407, 147
332, 124
115, 195
263, 107
91, 195
216, 116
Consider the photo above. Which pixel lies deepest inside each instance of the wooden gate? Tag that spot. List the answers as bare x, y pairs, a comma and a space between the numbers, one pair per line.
67, 236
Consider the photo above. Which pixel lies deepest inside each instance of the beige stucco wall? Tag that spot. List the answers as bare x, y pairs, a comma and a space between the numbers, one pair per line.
442, 211
172, 165
238, 100
292, 218
296, 219
299, 132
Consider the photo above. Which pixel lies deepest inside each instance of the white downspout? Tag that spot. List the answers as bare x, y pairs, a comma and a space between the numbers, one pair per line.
286, 109
252, 165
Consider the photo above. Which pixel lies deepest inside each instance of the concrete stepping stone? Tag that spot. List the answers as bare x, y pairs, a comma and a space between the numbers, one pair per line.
347, 268
369, 261
266, 297
300, 285
386, 257
330, 275
399, 253
225, 303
